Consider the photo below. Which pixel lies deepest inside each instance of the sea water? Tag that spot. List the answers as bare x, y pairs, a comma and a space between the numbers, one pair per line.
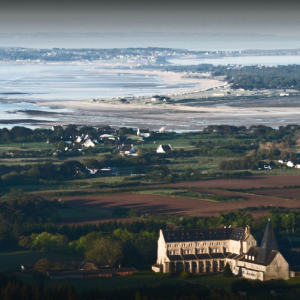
52, 83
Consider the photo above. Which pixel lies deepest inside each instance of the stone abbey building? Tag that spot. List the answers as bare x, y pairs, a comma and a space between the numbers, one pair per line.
208, 250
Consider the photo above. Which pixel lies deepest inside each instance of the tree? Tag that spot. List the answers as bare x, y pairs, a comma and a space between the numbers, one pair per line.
43, 265
227, 271
70, 168
105, 252
48, 240
286, 222
62, 145
25, 242
92, 163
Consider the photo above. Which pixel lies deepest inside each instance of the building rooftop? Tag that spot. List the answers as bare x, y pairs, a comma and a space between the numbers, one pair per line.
194, 235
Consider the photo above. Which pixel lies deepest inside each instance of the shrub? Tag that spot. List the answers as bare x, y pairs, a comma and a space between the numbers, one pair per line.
227, 271
185, 274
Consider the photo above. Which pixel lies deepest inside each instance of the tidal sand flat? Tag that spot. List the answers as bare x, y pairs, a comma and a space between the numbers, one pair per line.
177, 117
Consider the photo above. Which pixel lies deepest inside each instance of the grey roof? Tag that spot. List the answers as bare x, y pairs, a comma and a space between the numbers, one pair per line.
144, 131
166, 147
194, 235
268, 244
295, 161
174, 257
217, 255
201, 256
232, 256
254, 251
189, 256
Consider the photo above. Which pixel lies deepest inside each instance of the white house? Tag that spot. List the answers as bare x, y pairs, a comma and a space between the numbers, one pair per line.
143, 132
128, 150
283, 160
162, 129
293, 163
89, 143
78, 139
56, 128
164, 149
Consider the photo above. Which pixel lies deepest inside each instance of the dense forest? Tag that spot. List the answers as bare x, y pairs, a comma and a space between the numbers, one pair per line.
250, 77
253, 77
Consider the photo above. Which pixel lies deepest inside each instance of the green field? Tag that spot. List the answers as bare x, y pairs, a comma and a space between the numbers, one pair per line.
13, 260
26, 146
189, 193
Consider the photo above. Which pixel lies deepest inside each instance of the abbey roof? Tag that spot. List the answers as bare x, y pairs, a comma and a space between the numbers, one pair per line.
194, 235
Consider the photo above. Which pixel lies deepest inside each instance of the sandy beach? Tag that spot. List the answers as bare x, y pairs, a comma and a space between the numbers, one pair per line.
168, 77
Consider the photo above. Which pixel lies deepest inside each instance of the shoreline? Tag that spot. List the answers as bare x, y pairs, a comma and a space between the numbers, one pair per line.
169, 77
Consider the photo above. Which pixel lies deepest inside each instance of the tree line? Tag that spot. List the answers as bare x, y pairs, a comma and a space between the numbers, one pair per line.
12, 288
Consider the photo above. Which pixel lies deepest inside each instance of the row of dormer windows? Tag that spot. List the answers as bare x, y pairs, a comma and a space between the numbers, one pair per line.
197, 244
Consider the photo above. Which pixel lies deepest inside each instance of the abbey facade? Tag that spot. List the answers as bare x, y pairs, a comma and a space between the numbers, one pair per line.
208, 250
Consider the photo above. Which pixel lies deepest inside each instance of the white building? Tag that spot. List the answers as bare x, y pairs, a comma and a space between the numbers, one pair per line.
143, 132
128, 150
208, 250
89, 143
164, 149
293, 163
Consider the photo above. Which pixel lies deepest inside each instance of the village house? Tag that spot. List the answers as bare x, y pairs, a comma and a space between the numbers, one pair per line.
162, 129
79, 139
164, 149
293, 163
143, 132
109, 171
67, 140
56, 128
89, 143
208, 250
283, 160
109, 137
75, 147
128, 150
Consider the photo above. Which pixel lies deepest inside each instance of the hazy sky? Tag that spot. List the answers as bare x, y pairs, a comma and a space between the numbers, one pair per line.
270, 17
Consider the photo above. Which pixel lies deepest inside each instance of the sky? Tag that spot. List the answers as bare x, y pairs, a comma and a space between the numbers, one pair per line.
211, 16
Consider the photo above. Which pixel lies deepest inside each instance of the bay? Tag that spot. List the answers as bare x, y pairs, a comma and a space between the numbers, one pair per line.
49, 83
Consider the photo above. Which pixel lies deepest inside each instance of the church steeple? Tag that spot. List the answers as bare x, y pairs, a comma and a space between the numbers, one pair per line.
268, 244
